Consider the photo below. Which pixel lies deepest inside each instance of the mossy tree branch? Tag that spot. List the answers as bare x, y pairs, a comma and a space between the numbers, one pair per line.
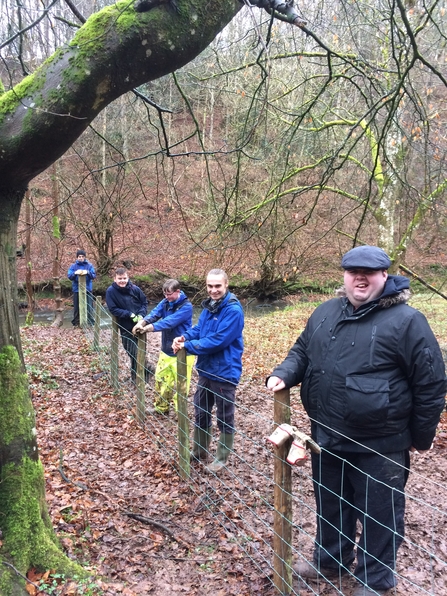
116, 50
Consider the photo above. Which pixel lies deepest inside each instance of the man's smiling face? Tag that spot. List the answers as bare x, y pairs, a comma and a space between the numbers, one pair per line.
364, 285
216, 286
121, 280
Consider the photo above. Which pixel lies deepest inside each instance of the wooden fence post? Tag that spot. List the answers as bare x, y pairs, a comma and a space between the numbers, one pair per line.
182, 413
282, 523
82, 287
97, 328
141, 378
114, 355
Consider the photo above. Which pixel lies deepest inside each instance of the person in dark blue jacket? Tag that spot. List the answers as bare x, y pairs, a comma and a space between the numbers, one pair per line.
373, 384
217, 342
128, 304
81, 267
172, 316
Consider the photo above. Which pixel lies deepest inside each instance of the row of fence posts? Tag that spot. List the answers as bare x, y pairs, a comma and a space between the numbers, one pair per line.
282, 523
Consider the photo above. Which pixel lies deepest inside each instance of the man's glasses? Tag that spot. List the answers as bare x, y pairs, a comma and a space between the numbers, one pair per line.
170, 293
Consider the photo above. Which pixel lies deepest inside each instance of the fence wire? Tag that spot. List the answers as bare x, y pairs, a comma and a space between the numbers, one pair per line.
241, 499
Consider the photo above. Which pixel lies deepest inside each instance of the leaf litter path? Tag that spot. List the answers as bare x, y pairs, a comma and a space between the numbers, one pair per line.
114, 468
86, 432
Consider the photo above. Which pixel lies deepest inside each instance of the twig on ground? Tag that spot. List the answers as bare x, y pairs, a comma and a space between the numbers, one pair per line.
152, 522
25, 578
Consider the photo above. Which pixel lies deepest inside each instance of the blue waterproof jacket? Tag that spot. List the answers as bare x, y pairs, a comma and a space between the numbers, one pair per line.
172, 319
122, 302
91, 274
217, 340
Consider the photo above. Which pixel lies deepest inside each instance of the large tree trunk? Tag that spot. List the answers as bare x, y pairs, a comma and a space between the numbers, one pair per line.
116, 50
27, 534
10, 201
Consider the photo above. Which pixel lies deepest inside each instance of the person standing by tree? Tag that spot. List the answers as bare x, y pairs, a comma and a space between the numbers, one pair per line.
172, 316
217, 342
373, 385
128, 304
81, 267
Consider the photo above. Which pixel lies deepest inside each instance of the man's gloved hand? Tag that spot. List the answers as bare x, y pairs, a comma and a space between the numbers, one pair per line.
81, 272
139, 327
135, 318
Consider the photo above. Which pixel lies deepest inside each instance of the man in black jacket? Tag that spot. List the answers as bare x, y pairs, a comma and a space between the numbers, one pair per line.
128, 304
373, 384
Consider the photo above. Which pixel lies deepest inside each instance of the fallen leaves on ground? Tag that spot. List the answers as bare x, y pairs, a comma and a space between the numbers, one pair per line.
100, 466
87, 435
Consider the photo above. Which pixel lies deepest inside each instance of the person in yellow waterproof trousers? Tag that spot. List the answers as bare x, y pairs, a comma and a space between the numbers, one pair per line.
172, 316
166, 381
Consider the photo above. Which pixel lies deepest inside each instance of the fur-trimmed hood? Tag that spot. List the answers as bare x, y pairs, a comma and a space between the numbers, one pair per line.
396, 291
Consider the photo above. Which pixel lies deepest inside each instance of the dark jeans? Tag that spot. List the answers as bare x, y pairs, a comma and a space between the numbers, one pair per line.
90, 311
130, 345
207, 394
368, 487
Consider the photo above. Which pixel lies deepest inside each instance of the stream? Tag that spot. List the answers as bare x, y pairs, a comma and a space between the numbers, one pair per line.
252, 308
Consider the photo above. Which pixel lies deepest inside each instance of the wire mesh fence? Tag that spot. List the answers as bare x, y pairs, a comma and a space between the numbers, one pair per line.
266, 506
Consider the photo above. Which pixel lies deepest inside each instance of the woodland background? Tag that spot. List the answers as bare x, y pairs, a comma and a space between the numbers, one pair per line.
266, 155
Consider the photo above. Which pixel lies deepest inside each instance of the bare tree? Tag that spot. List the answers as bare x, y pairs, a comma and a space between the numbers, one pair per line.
344, 137
58, 228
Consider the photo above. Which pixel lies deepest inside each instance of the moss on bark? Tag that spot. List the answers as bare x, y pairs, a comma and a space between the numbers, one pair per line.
28, 539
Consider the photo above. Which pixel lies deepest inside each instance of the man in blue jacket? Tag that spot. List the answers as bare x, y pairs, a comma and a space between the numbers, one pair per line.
81, 267
373, 385
128, 304
172, 316
217, 342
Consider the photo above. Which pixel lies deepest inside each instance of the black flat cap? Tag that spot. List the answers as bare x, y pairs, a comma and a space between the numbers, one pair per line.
366, 257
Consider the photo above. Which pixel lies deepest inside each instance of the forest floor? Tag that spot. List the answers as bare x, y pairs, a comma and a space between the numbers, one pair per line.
100, 466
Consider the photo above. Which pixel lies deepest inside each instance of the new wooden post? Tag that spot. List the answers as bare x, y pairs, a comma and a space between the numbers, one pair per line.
182, 412
97, 323
114, 354
282, 522
141, 378
82, 287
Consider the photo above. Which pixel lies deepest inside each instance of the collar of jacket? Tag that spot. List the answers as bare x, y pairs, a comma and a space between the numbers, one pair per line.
396, 291
124, 290
213, 309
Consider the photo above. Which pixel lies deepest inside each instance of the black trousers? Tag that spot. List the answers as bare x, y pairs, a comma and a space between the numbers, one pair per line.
130, 345
368, 487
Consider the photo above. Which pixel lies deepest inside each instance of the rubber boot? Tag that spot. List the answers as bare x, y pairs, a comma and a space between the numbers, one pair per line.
224, 448
202, 439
